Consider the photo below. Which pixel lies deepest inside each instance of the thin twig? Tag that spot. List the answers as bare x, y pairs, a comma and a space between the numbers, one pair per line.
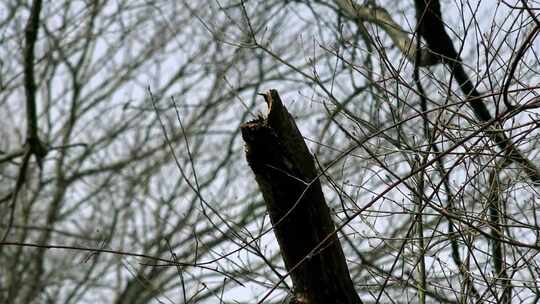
520, 53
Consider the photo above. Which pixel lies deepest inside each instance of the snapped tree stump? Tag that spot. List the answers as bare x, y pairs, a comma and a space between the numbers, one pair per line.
286, 174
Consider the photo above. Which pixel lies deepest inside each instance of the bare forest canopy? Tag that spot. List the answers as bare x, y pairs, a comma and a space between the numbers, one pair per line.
249, 151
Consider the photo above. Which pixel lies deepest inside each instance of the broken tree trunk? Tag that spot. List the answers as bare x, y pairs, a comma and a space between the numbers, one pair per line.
285, 172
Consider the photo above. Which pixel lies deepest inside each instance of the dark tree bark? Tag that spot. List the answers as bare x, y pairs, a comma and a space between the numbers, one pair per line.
285, 172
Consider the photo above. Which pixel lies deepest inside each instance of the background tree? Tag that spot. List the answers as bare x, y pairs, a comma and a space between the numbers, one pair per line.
128, 183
